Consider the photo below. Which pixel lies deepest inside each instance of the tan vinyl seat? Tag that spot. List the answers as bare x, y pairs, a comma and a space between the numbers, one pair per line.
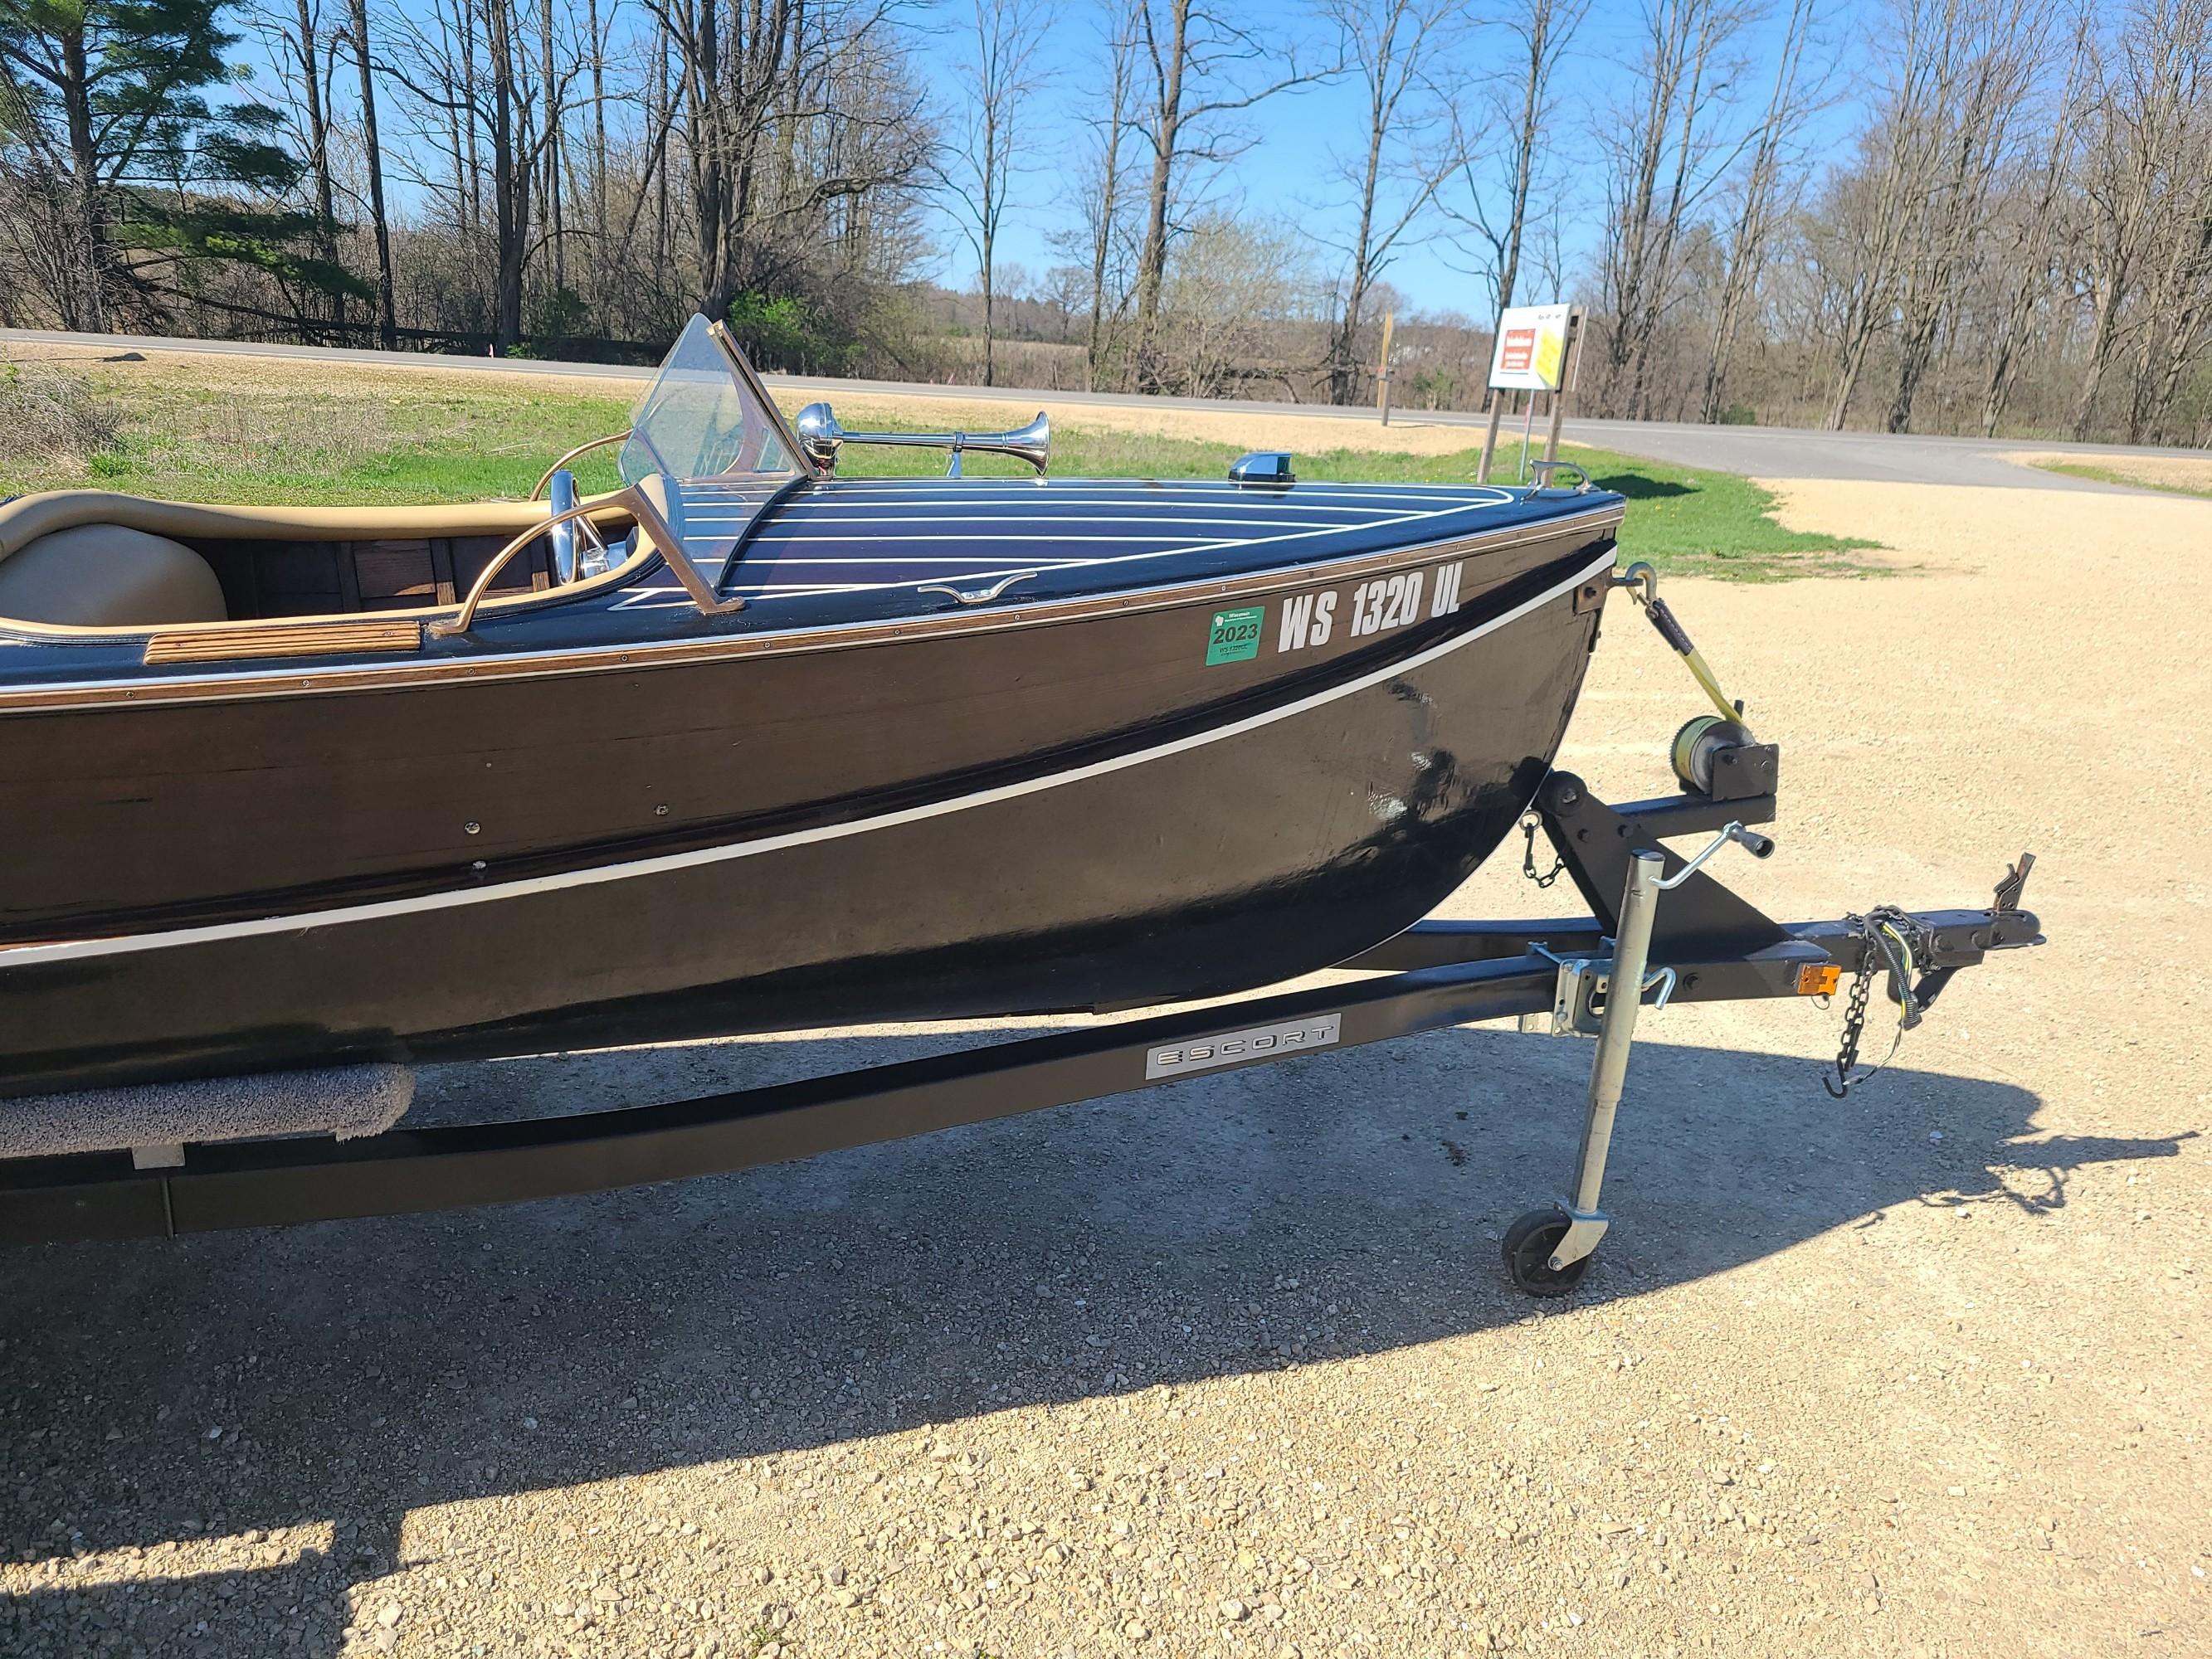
106, 575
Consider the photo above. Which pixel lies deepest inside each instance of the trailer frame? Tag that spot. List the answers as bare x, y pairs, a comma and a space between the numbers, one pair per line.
1647, 902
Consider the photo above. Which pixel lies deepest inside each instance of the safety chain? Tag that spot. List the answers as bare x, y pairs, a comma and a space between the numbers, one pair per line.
1889, 939
1855, 1012
1528, 856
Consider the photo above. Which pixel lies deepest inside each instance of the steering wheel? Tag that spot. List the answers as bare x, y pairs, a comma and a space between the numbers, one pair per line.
576, 554
561, 497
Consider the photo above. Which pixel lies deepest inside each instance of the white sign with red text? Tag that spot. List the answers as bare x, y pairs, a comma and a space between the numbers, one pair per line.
1531, 354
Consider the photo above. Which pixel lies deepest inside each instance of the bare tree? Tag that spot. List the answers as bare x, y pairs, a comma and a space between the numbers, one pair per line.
1108, 200
1789, 102
999, 74
753, 70
515, 140
1517, 109
1101, 239
732, 57
554, 85
2169, 330
1867, 208
505, 100
596, 41
468, 152
1396, 49
2146, 94
1235, 287
388, 322
1988, 56
2031, 253
1663, 152
297, 50
1204, 65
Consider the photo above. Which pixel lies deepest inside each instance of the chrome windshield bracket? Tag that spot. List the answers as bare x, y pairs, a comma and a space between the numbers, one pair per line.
749, 380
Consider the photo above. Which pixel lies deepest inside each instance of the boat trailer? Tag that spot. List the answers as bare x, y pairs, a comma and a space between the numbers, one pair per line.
1658, 921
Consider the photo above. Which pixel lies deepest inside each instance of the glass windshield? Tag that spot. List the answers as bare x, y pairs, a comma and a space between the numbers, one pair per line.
698, 421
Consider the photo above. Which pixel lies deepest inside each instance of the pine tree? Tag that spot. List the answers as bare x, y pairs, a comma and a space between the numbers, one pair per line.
112, 126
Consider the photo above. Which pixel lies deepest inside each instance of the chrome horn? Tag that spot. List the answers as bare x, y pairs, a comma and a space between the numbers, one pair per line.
820, 435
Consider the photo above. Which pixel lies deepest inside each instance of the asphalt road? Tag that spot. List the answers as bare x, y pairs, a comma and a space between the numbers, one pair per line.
1757, 452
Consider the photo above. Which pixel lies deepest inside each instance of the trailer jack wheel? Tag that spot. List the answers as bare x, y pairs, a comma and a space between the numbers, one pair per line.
1529, 1243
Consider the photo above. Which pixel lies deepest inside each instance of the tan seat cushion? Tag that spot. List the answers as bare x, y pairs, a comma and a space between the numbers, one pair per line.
104, 575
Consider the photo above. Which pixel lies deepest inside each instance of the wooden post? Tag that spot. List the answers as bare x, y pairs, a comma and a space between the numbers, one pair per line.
1382, 373
1490, 438
1571, 369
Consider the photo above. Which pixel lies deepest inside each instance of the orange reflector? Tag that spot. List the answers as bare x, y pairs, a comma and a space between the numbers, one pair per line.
1819, 981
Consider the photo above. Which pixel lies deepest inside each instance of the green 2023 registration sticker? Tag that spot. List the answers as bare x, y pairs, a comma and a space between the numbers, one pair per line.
1235, 636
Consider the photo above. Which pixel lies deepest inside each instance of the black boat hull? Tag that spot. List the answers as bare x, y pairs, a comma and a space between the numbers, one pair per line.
1148, 836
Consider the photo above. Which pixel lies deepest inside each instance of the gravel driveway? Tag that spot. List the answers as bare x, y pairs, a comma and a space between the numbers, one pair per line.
1229, 1367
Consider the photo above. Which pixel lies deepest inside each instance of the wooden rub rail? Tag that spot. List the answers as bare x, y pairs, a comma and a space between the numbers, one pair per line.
283, 639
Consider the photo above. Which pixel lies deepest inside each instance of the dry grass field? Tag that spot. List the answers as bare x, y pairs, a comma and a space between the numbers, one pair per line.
2180, 474
1228, 1368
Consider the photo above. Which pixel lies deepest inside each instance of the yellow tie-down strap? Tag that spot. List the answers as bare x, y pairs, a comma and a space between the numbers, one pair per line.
1643, 584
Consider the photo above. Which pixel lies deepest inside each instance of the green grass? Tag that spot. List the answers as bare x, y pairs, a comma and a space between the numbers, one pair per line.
292, 446
1714, 523
2116, 476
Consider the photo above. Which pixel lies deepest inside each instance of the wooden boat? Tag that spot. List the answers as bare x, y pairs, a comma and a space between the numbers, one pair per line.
746, 746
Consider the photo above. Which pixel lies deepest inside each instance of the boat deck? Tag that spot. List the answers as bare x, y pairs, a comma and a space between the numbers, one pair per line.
1078, 535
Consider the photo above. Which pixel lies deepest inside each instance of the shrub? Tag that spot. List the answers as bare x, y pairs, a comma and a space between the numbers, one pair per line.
784, 333
51, 417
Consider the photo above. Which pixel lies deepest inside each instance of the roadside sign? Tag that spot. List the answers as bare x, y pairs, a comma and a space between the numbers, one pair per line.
1531, 354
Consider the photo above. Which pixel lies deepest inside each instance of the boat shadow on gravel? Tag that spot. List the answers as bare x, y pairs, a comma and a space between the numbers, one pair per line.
335, 1377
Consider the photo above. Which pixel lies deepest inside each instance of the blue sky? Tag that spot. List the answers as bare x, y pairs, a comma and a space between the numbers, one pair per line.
1288, 172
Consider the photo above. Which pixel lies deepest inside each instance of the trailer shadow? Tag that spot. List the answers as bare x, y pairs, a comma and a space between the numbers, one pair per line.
330, 1379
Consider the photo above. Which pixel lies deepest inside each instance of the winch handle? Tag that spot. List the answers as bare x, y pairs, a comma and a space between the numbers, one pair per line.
1750, 839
